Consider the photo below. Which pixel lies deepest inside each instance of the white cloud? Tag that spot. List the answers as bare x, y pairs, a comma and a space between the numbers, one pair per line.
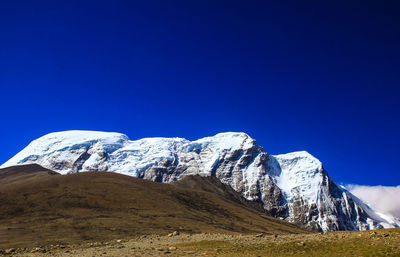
383, 199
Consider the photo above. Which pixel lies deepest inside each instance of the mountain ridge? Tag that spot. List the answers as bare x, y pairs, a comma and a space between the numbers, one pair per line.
292, 186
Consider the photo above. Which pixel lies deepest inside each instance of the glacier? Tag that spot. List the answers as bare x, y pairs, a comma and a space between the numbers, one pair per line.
292, 186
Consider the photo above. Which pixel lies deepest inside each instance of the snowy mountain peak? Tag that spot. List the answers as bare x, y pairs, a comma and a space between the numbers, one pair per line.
292, 186
80, 136
299, 161
228, 141
63, 146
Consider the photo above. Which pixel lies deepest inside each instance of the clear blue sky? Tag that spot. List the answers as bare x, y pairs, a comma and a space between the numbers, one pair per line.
321, 76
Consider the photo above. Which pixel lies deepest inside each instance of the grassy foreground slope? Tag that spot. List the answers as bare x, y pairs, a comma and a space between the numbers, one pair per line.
40, 207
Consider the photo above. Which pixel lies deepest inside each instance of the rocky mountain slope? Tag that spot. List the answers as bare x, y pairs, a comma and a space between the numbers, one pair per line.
293, 186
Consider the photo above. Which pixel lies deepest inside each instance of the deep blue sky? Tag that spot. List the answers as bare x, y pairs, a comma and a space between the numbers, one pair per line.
321, 76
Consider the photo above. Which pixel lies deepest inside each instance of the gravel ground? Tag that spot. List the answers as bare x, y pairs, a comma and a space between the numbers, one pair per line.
368, 243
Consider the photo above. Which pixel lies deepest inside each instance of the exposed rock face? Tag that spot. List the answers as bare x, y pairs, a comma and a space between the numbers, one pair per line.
291, 186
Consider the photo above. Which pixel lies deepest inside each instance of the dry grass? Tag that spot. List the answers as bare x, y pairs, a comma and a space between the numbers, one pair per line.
367, 243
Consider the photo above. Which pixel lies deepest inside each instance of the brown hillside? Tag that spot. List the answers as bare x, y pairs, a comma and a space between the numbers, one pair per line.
23, 172
42, 208
215, 186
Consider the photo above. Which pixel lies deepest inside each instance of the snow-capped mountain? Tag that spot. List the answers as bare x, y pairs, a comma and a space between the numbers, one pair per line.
291, 186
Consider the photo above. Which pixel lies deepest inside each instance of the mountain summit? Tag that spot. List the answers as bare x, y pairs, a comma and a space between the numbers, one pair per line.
292, 186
